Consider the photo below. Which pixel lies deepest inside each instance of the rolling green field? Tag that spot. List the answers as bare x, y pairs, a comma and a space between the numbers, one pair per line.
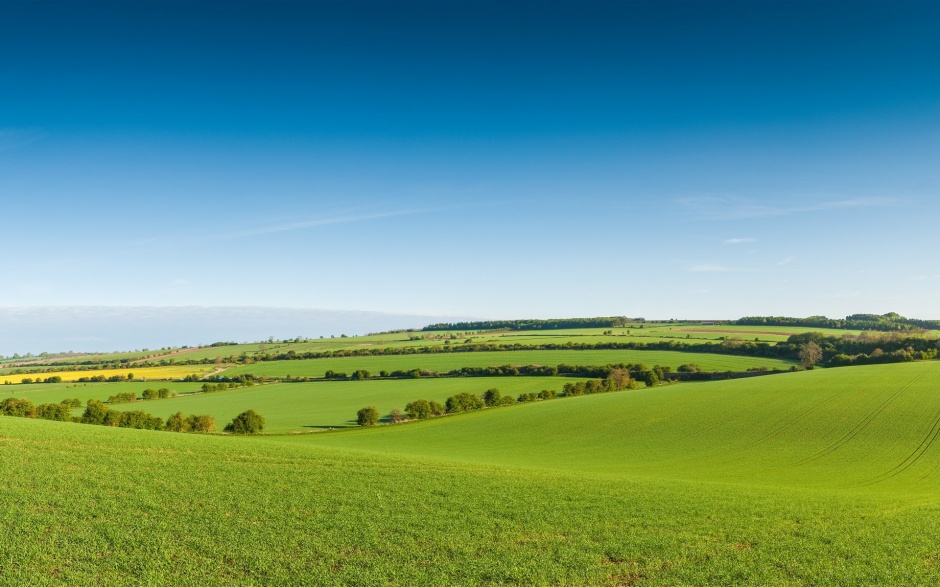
826, 477
861, 427
689, 333
41, 393
299, 407
444, 362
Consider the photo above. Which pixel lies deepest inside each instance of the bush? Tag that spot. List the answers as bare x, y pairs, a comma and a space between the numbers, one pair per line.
133, 419
206, 424
396, 416
22, 408
163, 393
59, 412
437, 409
95, 412
360, 374
73, 403
123, 398
463, 402
248, 422
491, 397
149, 394
177, 423
420, 409
547, 394
368, 416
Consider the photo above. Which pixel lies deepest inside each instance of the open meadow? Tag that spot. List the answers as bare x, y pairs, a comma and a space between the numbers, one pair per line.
824, 477
445, 362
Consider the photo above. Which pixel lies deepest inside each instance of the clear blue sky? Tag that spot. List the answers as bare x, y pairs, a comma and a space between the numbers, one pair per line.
488, 159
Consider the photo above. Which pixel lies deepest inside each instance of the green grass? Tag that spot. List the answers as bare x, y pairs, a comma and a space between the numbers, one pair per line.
651, 332
858, 427
444, 362
85, 505
42, 393
825, 477
299, 407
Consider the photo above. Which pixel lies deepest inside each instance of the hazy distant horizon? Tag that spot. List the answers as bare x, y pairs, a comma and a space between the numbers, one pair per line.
102, 329
93, 329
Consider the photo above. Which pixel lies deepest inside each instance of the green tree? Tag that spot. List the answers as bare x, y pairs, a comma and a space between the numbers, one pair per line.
463, 402
368, 416
437, 409
95, 412
420, 409
248, 422
60, 412
206, 424
177, 423
22, 408
491, 397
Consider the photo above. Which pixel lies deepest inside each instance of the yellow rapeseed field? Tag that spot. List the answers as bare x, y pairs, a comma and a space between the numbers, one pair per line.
140, 374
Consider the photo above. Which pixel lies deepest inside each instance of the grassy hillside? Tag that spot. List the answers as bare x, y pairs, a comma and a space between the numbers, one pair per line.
870, 427
297, 407
83, 505
826, 477
443, 362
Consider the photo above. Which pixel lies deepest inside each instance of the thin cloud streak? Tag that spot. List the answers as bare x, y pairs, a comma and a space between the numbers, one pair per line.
14, 138
314, 223
707, 268
739, 241
730, 208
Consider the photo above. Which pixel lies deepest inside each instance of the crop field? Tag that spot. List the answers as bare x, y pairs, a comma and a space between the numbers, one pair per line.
149, 373
41, 393
299, 407
872, 427
444, 362
688, 333
826, 477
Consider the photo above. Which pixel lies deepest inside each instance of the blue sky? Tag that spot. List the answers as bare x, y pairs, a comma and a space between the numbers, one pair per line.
488, 159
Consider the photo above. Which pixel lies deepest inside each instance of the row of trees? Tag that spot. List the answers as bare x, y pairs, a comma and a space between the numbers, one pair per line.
422, 409
533, 324
97, 413
891, 321
815, 347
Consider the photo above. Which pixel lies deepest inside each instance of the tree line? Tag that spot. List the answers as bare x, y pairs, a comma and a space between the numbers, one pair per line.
422, 409
98, 413
891, 321
533, 324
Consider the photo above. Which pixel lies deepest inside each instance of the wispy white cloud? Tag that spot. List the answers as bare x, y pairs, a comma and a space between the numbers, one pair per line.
12, 138
730, 208
739, 241
344, 219
785, 261
710, 268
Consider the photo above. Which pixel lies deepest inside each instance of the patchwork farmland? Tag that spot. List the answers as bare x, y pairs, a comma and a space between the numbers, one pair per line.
749, 468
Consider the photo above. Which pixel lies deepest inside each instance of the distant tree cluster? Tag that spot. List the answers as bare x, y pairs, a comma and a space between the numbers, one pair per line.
883, 322
97, 413
812, 348
422, 409
248, 422
618, 380
533, 324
